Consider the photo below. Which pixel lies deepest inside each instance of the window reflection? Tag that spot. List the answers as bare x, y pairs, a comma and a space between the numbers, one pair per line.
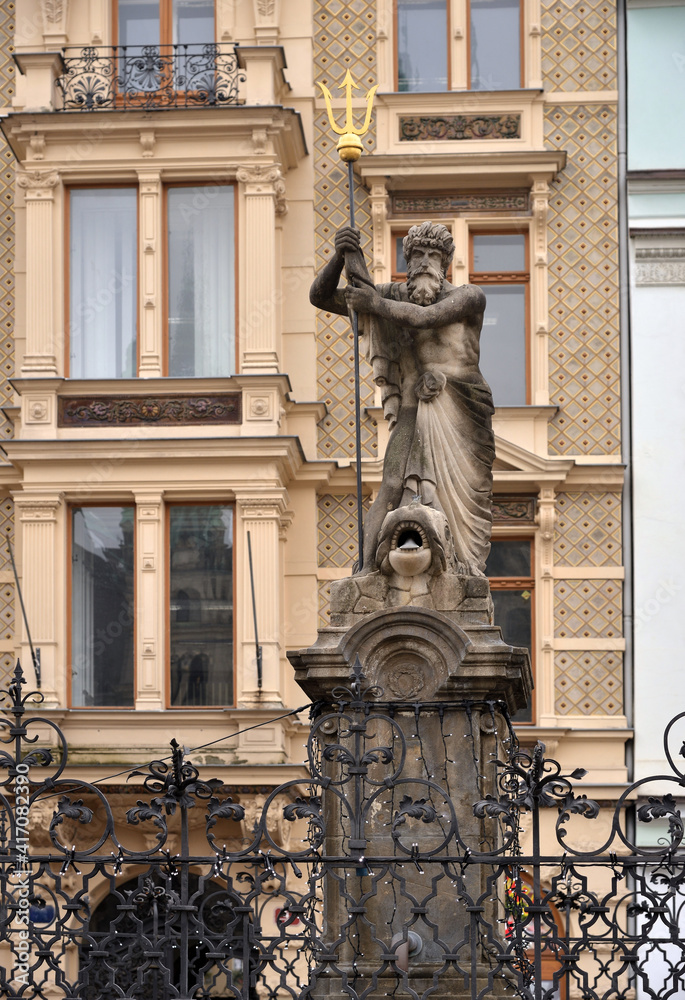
422, 45
102, 606
201, 605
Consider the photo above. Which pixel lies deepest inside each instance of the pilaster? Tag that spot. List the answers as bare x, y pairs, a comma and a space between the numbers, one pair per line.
150, 631
261, 516
263, 190
41, 568
379, 216
539, 296
266, 28
150, 291
42, 345
544, 673
55, 22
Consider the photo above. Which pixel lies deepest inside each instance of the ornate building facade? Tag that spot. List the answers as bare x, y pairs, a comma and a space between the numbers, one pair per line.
178, 412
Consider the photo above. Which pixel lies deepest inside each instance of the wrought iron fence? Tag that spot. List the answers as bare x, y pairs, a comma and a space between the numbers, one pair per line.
127, 77
407, 880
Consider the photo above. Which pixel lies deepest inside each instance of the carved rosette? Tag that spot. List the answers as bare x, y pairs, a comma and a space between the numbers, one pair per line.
264, 179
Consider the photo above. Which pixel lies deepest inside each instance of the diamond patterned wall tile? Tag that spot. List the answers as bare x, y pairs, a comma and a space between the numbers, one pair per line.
579, 44
587, 609
324, 603
583, 282
338, 529
588, 683
344, 38
7, 664
588, 529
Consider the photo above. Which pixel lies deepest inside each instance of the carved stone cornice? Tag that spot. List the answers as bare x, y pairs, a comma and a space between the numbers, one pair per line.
258, 508
660, 266
33, 180
264, 178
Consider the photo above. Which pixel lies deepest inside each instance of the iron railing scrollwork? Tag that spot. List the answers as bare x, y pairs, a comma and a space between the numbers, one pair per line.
377, 874
146, 77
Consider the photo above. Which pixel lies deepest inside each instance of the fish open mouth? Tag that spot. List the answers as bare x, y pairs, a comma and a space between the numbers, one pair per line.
409, 536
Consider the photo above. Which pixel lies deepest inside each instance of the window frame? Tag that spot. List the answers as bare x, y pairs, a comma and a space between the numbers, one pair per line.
522, 50
454, 14
167, 604
165, 273
165, 23
70, 507
485, 278
518, 583
396, 53
102, 186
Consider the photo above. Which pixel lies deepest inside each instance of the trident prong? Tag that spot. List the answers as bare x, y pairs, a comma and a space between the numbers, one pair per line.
349, 145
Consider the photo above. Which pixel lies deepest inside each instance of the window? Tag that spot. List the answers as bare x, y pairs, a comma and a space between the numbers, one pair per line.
499, 263
495, 44
200, 261
399, 264
201, 281
421, 59
200, 605
103, 285
510, 570
164, 22
424, 38
101, 595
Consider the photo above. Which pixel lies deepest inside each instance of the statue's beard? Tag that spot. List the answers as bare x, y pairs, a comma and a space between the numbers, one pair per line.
424, 284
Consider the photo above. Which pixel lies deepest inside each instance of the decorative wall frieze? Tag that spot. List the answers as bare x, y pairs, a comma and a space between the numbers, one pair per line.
98, 411
450, 128
455, 204
38, 508
660, 266
513, 510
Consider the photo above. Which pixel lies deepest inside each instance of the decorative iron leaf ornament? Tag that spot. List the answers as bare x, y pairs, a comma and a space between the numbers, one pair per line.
410, 809
66, 809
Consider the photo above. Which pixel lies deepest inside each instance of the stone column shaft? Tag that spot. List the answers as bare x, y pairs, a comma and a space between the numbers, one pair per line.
41, 573
150, 349
150, 630
42, 342
260, 299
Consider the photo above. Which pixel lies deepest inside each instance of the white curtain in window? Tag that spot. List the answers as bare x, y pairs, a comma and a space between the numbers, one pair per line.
103, 282
201, 281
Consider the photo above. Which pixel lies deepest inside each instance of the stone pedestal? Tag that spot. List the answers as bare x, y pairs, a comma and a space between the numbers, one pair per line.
409, 739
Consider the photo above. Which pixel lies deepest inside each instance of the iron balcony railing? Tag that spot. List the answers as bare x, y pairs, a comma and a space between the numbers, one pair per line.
120, 77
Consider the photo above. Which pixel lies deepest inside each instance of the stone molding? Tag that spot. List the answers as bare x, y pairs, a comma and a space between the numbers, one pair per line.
660, 266
449, 128
407, 203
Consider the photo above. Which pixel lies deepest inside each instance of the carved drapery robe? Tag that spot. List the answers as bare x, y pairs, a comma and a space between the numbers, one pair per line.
452, 445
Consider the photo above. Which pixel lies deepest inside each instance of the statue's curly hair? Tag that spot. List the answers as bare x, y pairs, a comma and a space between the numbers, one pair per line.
430, 234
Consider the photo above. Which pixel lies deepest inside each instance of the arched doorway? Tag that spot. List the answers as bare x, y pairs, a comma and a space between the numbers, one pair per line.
142, 942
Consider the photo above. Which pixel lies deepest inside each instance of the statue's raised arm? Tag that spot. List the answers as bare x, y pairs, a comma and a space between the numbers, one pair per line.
422, 339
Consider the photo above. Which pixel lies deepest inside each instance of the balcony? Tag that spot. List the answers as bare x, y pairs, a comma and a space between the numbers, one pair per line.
145, 77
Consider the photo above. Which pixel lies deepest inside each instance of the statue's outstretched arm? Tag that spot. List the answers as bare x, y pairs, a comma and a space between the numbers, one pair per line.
460, 304
324, 293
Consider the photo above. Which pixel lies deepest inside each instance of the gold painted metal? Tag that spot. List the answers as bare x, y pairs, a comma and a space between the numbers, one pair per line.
349, 145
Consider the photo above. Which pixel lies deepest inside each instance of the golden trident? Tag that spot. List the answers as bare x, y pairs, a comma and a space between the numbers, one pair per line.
350, 149
349, 145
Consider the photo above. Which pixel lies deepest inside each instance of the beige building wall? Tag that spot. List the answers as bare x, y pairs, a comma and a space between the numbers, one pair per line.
287, 464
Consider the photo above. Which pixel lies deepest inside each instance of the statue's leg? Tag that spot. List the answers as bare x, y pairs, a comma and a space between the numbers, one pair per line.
392, 487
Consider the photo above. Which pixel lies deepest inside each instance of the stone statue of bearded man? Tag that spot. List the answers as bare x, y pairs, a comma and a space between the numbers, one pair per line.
422, 339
